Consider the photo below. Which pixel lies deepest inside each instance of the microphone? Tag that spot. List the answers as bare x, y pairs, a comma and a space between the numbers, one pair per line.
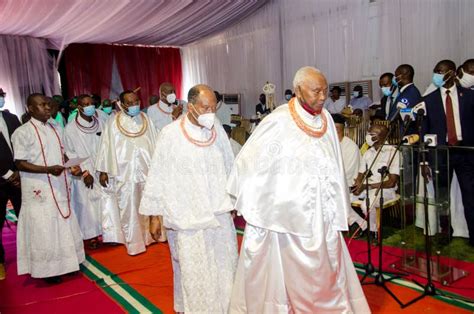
400, 106
420, 109
431, 140
411, 139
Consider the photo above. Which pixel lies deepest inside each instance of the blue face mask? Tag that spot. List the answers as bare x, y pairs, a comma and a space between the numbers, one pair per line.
107, 110
287, 97
387, 91
133, 110
438, 79
394, 81
89, 110
2, 102
355, 94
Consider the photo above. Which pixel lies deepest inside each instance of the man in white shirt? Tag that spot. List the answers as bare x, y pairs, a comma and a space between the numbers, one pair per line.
359, 101
165, 111
375, 138
335, 103
351, 160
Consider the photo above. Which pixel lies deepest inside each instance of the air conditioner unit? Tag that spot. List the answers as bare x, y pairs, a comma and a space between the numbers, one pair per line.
232, 100
231, 106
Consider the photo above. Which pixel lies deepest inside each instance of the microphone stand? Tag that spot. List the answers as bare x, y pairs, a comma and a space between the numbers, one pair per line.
380, 280
369, 267
429, 288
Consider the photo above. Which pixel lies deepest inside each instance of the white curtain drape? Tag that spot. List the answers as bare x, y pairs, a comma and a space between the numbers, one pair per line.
25, 67
348, 40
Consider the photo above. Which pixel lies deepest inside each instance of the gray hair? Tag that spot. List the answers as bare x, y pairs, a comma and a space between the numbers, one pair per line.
302, 74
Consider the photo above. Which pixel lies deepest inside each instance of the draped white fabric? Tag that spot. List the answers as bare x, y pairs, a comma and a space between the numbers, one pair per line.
145, 22
25, 67
348, 40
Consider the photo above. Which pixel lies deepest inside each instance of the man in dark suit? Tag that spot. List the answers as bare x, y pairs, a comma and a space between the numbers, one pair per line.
449, 115
261, 107
9, 175
408, 94
388, 98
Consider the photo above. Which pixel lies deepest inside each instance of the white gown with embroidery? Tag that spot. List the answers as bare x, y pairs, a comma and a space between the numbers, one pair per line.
47, 244
186, 186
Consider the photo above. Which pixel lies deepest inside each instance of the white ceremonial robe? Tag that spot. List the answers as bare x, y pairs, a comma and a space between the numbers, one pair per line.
186, 186
47, 244
291, 189
79, 144
236, 147
160, 114
126, 160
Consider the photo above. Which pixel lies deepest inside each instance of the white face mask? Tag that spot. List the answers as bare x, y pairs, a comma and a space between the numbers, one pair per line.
355, 93
467, 80
368, 139
2, 102
207, 120
171, 98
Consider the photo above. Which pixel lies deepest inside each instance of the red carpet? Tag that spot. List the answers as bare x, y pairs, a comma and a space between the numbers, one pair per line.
463, 286
22, 294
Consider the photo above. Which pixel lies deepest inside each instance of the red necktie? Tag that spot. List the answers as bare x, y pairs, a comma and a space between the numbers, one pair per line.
451, 126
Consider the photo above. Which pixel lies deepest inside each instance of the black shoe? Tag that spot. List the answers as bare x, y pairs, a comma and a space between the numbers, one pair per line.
74, 273
53, 280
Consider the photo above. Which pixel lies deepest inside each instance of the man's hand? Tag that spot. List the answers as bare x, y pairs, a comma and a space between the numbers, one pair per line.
426, 172
14, 179
76, 170
104, 179
177, 111
155, 227
55, 170
89, 181
357, 189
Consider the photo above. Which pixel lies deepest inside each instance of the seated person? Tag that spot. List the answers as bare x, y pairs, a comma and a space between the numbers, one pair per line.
375, 138
359, 101
335, 103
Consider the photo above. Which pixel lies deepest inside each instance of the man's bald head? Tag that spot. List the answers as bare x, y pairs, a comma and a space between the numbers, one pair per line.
201, 93
311, 88
201, 100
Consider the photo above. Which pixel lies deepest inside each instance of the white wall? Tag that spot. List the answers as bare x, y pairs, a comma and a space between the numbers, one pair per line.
346, 39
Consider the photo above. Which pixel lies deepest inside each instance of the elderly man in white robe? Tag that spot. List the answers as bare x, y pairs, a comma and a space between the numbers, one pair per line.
123, 160
290, 187
165, 111
194, 154
82, 138
49, 242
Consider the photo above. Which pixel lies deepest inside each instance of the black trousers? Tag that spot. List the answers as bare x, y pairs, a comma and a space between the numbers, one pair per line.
462, 162
8, 192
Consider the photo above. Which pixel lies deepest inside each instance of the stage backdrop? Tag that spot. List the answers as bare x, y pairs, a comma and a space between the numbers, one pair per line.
89, 69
